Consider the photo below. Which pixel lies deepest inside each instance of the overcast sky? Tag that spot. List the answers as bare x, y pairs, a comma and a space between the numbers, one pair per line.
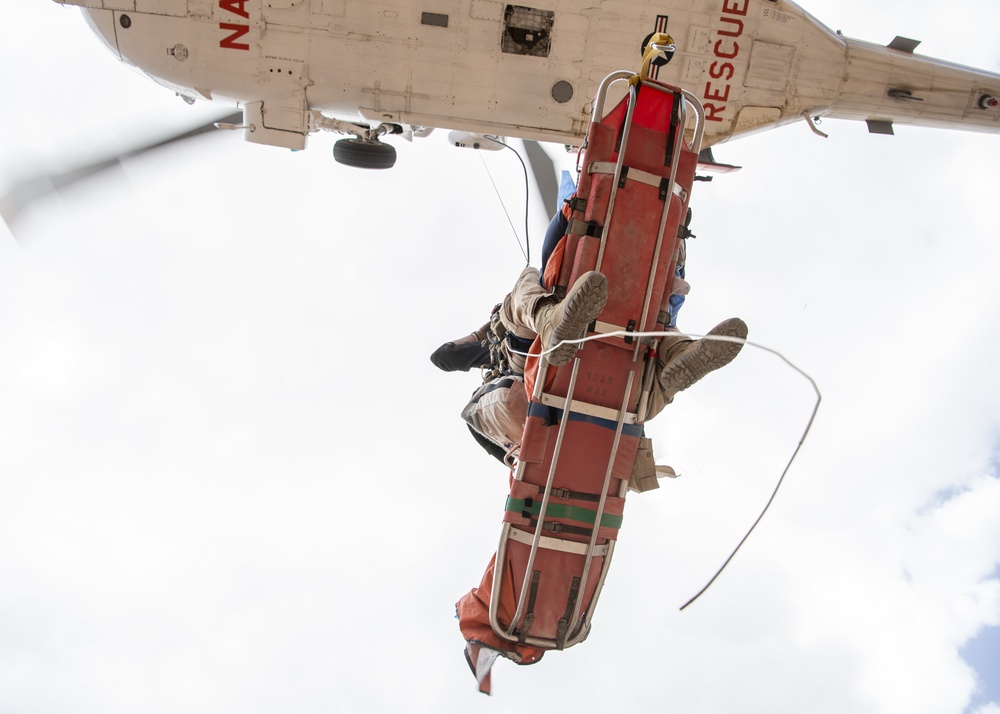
231, 480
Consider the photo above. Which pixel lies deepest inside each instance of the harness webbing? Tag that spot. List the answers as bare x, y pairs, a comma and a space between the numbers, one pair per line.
520, 344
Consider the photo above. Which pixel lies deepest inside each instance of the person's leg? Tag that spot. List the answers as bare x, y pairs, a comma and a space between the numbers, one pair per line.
683, 361
530, 310
517, 312
560, 323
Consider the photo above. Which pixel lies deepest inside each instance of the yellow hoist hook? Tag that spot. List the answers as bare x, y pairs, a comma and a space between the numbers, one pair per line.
659, 43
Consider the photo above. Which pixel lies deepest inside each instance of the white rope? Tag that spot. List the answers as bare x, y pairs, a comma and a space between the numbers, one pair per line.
788, 466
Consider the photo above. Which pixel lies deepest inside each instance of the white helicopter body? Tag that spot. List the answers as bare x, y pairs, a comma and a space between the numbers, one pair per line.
296, 66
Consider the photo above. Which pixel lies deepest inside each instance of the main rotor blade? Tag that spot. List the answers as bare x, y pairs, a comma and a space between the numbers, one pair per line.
26, 191
546, 178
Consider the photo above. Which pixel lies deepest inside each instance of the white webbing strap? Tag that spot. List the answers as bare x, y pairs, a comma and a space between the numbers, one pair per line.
594, 410
608, 167
565, 546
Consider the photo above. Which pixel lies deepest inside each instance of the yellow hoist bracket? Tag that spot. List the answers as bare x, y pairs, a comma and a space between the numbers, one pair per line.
660, 42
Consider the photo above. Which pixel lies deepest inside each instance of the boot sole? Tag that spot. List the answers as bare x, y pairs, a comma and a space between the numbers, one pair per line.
582, 307
707, 356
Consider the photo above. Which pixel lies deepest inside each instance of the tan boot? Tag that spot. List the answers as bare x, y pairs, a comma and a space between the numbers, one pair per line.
684, 361
569, 318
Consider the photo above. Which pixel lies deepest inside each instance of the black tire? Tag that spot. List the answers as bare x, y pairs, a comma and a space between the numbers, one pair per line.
364, 154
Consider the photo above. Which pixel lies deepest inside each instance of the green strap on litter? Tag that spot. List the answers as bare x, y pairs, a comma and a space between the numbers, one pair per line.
528, 507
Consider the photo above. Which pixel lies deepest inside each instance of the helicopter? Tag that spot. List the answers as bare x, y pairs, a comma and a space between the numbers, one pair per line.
375, 70
296, 67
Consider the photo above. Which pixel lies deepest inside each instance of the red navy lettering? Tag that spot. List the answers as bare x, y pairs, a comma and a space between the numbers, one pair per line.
236, 31
738, 24
726, 48
229, 42
724, 70
731, 54
734, 8
237, 7
712, 93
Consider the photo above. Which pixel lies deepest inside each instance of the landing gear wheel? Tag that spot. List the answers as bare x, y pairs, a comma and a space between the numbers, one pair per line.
364, 154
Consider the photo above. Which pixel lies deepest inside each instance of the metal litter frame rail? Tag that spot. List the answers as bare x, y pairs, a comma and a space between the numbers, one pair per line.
579, 624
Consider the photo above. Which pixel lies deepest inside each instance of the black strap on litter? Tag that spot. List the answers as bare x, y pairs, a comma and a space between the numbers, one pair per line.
553, 527
675, 119
562, 627
623, 178
630, 327
577, 203
620, 134
550, 414
529, 617
584, 228
664, 188
565, 493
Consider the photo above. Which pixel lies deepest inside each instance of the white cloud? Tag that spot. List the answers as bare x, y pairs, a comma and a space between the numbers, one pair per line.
232, 481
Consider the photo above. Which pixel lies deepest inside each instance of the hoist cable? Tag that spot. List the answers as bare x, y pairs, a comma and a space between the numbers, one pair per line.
526, 246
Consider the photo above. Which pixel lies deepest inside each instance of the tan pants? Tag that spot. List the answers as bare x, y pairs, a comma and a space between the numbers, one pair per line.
517, 313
